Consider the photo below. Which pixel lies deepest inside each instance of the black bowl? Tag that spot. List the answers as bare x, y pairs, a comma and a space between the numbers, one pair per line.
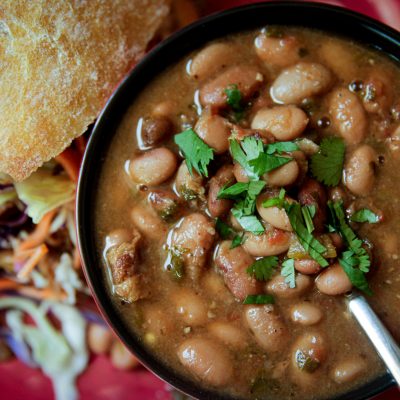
327, 18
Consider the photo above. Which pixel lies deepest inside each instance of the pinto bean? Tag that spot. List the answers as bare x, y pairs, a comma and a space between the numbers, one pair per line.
275, 216
333, 281
348, 370
283, 122
378, 92
121, 358
218, 207
215, 131
348, 116
359, 171
300, 81
117, 237
228, 334
268, 327
305, 313
148, 223
247, 78
310, 346
194, 237
155, 129
99, 338
283, 176
153, 167
189, 186
211, 59
190, 307
207, 360
313, 193
279, 288
277, 51
240, 173
233, 264
307, 266
164, 202
271, 243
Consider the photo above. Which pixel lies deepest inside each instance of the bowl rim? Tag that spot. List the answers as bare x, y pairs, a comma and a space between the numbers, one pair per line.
112, 113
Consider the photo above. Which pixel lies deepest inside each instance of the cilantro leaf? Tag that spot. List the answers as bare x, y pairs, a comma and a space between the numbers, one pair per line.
237, 240
223, 229
266, 163
226, 232
355, 261
313, 246
263, 268
234, 100
249, 148
276, 201
259, 299
365, 215
288, 271
327, 164
356, 276
197, 153
351, 239
281, 147
234, 191
305, 210
249, 223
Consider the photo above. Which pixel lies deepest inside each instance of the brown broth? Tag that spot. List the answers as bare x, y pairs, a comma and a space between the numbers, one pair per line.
349, 61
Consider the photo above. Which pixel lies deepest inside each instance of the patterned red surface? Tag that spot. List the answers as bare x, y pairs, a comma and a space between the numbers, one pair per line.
101, 381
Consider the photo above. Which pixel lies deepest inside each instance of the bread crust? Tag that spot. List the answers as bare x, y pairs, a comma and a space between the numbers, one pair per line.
59, 62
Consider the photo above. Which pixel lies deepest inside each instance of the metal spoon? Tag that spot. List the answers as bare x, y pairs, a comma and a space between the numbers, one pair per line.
380, 337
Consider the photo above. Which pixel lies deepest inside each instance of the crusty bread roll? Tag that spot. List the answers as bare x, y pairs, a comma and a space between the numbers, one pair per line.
59, 62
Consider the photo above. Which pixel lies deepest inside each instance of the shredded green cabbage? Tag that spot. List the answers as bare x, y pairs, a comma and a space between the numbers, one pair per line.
43, 192
62, 356
8, 195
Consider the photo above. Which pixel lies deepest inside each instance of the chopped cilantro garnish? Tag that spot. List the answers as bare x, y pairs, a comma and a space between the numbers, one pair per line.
223, 229
254, 158
266, 163
259, 299
307, 212
288, 272
313, 246
327, 164
233, 191
263, 268
276, 201
174, 263
226, 232
248, 149
306, 363
197, 154
282, 147
365, 215
355, 261
238, 240
234, 100
249, 223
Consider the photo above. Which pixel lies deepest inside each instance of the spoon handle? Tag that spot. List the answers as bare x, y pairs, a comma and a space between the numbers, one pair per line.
377, 333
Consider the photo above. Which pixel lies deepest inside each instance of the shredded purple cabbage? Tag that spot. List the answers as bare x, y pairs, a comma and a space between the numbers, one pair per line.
19, 348
94, 317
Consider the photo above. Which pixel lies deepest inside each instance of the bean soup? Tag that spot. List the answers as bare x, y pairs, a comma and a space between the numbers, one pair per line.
247, 190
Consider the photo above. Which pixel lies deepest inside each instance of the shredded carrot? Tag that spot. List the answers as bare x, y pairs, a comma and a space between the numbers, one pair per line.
185, 12
41, 294
38, 236
70, 161
8, 284
38, 254
80, 144
76, 259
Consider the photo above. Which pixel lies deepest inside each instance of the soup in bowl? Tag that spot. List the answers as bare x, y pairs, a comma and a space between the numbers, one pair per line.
246, 189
